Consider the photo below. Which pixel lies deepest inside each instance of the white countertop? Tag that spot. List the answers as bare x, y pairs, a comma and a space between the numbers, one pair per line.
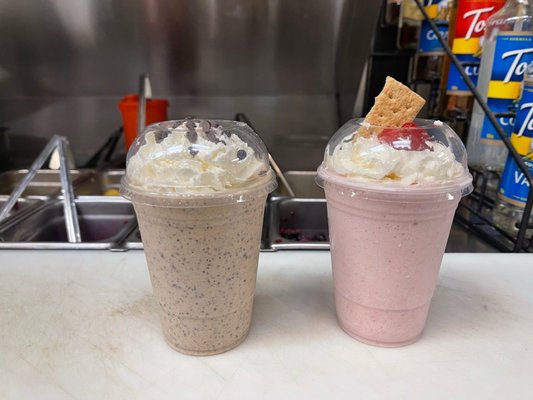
82, 325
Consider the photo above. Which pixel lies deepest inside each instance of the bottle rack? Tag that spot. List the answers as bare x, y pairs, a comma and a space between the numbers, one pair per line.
475, 211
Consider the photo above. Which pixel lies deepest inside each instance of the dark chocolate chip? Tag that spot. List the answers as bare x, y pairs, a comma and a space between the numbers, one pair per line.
190, 125
188, 118
192, 151
227, 133
212, 137
174, 125
205, 125
192, 136
241, 154
160, 136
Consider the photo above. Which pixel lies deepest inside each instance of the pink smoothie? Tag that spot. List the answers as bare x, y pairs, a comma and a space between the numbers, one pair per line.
386, 250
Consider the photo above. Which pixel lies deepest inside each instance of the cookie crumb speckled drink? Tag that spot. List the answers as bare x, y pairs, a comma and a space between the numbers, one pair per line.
199, 190
391, 196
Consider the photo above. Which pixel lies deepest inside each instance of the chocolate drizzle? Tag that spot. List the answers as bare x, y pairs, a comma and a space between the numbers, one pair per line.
159, 136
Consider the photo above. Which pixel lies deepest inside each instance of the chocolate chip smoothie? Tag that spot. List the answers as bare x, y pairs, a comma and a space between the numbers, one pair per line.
201, 232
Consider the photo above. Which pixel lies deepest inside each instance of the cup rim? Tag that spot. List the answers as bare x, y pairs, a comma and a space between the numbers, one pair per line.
201, 199
462, 185
421, 123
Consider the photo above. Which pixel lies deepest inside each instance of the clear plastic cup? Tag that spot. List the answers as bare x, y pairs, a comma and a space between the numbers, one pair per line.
388, 235
199, 190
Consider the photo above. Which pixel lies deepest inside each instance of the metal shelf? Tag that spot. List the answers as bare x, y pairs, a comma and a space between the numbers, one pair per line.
475, 211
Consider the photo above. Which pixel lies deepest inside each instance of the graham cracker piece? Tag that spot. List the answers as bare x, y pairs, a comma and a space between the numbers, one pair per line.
393, 107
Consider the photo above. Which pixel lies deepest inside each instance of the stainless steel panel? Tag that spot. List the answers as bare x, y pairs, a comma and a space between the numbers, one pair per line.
292, 66
286, 123
304, 185
190, 47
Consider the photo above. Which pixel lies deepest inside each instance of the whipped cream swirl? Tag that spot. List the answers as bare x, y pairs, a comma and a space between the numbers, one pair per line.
194, 156
367, 159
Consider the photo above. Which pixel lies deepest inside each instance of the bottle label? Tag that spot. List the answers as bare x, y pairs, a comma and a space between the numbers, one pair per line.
429, 44
438, 9
523, 129
471, 23
456, 84
432, 8
469, 28
513, 52
514, 187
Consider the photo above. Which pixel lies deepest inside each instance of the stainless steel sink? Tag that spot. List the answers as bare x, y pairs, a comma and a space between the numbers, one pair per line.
109, 222
133, 240
298, 224
103, 222
21, 207
101, 183
45, 183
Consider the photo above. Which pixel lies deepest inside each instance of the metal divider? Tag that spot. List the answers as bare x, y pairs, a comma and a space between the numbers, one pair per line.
69, 206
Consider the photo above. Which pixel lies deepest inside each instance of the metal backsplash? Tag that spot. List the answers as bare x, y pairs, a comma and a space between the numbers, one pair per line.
292, 66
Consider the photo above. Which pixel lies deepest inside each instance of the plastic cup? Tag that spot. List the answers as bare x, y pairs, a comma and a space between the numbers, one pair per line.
201, 244
387, 243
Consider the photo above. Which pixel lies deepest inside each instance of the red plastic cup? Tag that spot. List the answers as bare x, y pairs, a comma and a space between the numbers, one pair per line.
156, 111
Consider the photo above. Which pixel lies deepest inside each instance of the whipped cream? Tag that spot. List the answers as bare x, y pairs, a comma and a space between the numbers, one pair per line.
368, 159
195, 156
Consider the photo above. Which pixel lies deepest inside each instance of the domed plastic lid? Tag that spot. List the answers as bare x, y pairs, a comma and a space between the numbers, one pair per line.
424, 156
197, 163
